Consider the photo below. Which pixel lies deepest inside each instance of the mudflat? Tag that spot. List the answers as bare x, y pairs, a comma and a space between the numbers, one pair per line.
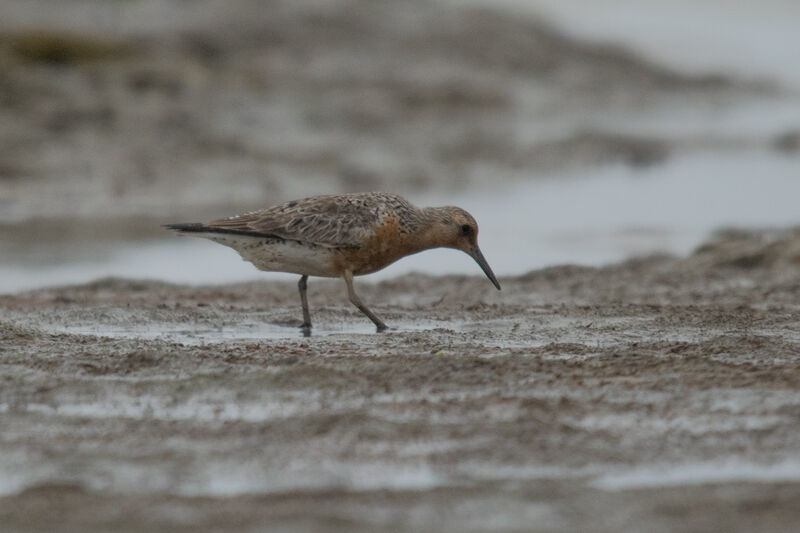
659, 394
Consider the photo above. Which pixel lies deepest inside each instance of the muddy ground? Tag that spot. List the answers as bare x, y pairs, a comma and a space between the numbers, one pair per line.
660, 394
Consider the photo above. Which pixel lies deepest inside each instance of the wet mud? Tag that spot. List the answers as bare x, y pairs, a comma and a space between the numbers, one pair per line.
659, 394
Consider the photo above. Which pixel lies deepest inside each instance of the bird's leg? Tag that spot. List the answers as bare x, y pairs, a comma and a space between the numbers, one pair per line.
355, 300
304, 300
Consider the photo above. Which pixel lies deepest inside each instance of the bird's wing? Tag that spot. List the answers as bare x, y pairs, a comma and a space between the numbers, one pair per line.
341, 220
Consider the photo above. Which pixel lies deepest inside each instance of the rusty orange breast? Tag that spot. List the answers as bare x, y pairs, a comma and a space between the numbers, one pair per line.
385, 246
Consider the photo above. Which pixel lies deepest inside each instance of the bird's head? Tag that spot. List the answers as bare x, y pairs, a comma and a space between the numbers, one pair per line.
456, 228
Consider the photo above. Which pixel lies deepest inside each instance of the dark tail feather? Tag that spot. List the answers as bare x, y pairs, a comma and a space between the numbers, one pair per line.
193, 227
196, 227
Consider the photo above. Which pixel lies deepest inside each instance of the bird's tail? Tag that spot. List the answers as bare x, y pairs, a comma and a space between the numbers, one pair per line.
193, 227
196, 227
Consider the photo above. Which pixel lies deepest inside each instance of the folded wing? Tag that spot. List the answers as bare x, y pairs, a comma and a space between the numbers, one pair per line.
342, 220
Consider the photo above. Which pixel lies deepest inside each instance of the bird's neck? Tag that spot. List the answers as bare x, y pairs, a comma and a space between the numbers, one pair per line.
434, 215
434, 229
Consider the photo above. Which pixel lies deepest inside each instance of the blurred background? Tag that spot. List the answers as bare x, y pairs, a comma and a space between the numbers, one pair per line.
575, 131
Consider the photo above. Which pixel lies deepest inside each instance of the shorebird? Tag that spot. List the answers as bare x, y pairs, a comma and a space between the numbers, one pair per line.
341, 236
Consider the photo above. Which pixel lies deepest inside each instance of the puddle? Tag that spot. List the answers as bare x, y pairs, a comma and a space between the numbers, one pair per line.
232, 479
217, 477
693, 424
247, 331
701, 473
150, 407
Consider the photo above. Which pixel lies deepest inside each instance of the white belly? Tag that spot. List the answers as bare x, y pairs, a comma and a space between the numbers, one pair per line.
278, 255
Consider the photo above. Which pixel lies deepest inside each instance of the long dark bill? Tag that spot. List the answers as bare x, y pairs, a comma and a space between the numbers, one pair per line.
476, 254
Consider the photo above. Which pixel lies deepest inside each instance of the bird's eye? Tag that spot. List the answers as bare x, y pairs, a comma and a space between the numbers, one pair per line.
466, 229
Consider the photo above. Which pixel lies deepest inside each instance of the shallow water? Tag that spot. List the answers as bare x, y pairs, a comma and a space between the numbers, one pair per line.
249, 330
590, 217
704, 473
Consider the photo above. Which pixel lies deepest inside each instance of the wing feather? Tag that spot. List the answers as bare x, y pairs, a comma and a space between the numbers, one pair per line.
340, 220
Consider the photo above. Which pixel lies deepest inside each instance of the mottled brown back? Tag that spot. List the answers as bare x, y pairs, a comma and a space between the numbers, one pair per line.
345, 220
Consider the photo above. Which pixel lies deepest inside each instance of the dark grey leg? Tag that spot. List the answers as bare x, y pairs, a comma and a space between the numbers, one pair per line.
304, 300
355, 300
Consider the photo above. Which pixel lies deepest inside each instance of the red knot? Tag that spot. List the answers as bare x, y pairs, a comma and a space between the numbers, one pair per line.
341, 236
